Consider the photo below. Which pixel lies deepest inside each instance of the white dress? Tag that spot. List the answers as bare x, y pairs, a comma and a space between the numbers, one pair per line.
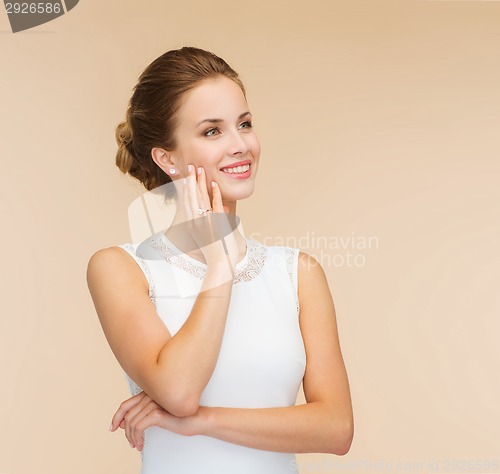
262, 358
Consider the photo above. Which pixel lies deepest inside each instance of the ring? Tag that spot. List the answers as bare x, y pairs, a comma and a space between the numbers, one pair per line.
203, 211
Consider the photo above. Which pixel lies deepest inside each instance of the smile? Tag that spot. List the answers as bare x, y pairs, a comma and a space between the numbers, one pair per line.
238, 172
237, 169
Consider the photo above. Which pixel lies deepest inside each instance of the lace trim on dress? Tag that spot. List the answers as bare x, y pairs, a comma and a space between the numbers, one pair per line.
257, 256
292, 272
146, 270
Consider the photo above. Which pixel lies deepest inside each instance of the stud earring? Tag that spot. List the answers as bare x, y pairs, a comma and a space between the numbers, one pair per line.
172, 170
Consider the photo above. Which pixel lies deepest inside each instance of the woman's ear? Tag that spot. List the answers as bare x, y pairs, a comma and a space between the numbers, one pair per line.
163, 159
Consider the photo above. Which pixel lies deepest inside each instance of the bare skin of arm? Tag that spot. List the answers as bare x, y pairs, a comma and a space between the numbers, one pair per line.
173, 370
325, 423
139, 339
322, 425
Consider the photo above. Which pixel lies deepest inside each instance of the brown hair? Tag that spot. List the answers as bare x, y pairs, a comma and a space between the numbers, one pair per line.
151, 117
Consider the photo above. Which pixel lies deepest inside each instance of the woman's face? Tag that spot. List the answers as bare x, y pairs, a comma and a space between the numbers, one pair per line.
215, 131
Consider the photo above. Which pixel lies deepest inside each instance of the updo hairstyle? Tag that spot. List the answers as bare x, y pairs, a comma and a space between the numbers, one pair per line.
151, 116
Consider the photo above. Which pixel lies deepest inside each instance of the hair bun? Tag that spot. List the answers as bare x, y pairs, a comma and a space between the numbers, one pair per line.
123, 135
124, 131
152, 113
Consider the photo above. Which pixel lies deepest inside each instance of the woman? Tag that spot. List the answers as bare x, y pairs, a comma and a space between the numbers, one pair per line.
212, 329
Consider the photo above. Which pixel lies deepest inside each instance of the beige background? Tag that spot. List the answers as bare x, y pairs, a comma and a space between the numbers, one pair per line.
378, 122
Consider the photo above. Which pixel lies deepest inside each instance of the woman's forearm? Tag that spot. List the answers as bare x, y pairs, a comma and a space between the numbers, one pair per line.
187, 361
309, 428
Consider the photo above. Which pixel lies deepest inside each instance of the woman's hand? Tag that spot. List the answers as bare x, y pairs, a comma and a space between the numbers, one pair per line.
139, 412
211, 229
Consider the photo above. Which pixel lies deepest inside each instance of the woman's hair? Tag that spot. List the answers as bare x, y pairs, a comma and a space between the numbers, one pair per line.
151, 117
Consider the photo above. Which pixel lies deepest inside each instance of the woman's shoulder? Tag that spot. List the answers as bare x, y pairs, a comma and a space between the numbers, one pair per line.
108, 253
118, 259
114, 252
272, 251
111, 257
305, 263
282, 254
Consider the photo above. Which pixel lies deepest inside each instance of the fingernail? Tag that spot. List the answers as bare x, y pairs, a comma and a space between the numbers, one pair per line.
199, 169
131, 445
190, 168
111, 427
213, 184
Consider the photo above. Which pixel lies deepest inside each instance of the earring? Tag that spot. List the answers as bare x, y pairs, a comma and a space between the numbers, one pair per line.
172, 170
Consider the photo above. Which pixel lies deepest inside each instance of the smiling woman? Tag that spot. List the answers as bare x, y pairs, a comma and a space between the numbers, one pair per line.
231, 143
215, 332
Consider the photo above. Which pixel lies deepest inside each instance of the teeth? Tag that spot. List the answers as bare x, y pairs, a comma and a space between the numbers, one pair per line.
237, 169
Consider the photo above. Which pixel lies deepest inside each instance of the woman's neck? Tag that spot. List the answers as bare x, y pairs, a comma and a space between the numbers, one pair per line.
177, 232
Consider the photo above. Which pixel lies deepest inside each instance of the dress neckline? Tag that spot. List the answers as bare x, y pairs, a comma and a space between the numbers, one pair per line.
196, 262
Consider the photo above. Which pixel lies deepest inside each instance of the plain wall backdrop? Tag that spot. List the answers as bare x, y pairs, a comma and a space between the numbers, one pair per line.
379, 129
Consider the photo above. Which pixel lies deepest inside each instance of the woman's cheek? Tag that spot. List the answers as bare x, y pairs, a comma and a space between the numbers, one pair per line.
255, 145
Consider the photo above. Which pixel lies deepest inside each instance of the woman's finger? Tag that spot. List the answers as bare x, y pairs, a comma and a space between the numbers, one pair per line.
131, 414
130, 432
185, 195
204, 198
124, 407
218, 215
192, 191
140, 422
216, 197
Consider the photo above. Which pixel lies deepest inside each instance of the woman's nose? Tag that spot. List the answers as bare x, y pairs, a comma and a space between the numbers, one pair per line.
238, 144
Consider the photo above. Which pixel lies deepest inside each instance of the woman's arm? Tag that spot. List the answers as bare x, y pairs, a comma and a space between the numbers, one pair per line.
174, 370
309, 428
323, 425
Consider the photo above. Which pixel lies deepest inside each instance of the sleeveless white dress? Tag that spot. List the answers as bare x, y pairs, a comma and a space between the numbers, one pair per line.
262, 358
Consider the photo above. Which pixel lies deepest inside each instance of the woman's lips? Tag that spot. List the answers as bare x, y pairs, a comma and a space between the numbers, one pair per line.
238, 163
244, 175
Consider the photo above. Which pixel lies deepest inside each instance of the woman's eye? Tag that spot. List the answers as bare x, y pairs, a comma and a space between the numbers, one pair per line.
209, 133
248, 124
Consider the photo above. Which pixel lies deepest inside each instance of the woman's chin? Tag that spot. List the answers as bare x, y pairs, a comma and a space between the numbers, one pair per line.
237, 194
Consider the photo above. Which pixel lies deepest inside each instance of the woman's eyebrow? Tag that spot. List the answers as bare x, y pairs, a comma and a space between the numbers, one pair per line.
213, 120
